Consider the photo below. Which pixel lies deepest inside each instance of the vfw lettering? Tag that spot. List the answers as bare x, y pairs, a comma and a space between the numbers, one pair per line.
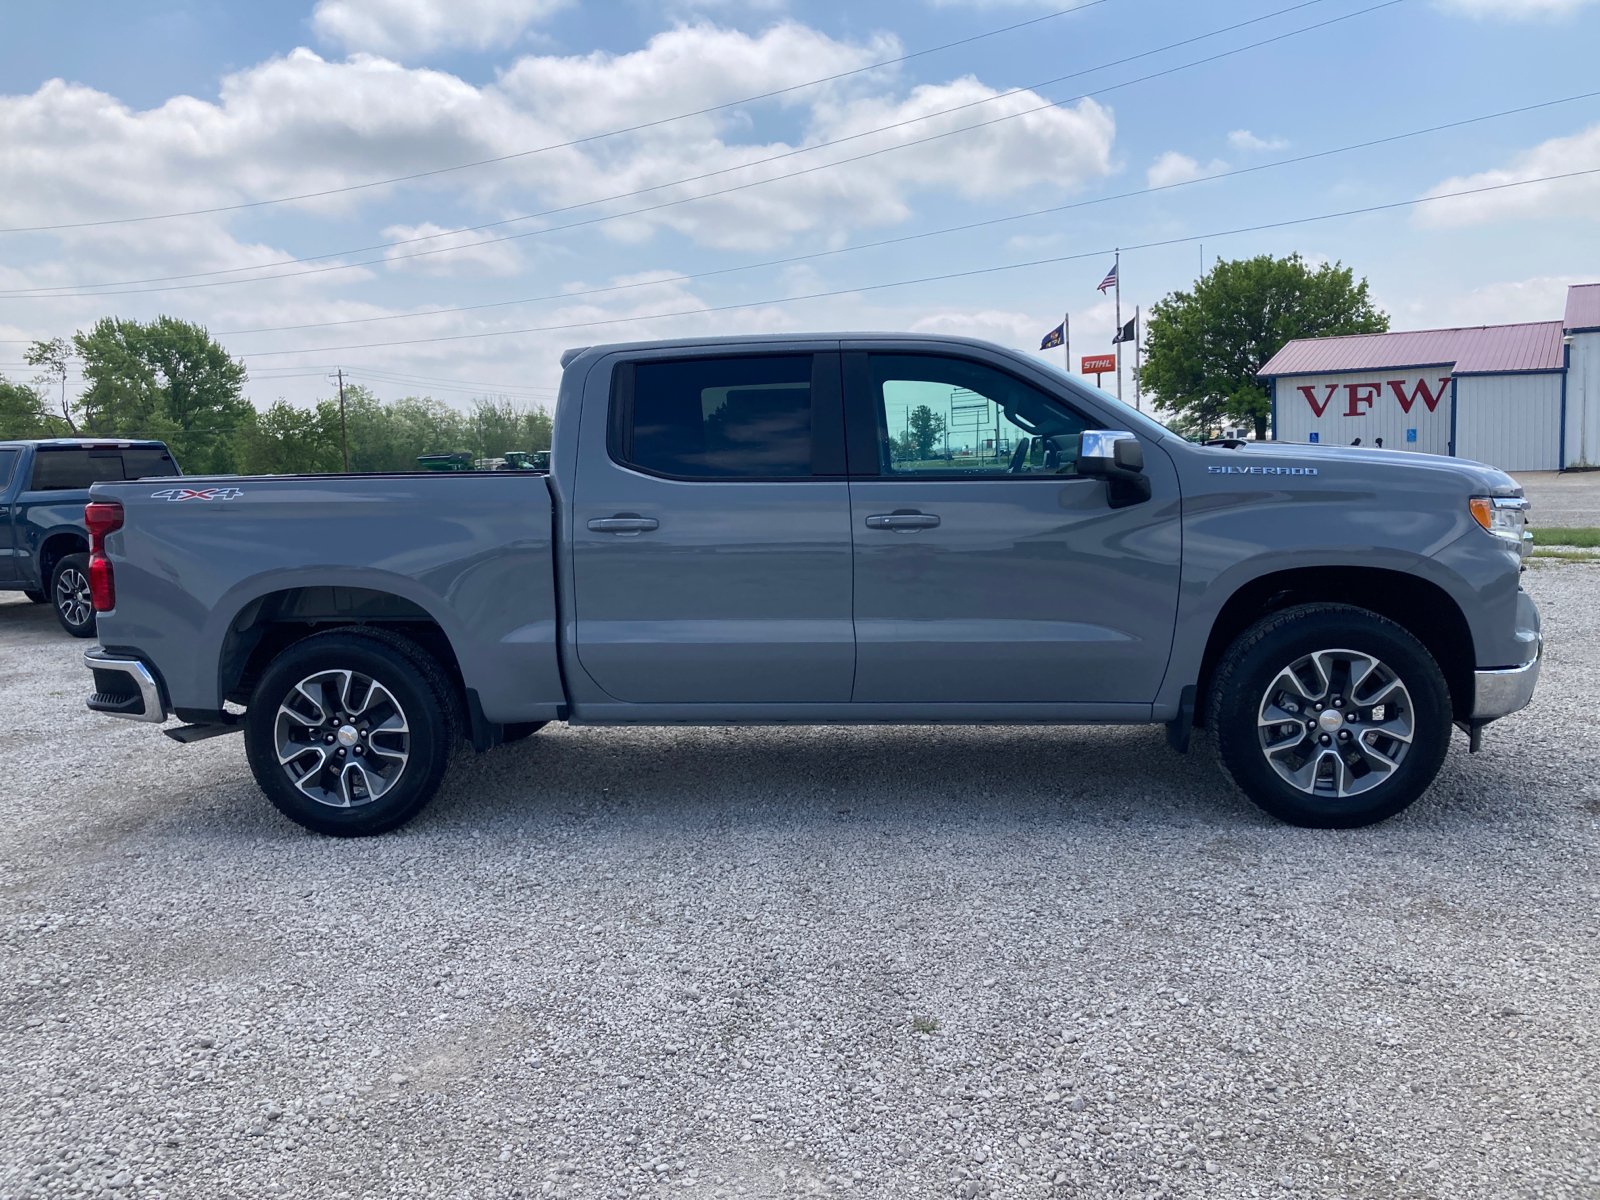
1358, 398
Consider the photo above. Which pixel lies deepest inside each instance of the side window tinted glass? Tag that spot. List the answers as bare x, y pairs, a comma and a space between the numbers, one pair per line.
8, 463
722, 418
58, 470
139, 462
949, 417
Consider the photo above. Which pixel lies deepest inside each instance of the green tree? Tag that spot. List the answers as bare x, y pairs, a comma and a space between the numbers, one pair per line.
286, 440
167, 379
1203, 348
54, 356
924, 431
24, 414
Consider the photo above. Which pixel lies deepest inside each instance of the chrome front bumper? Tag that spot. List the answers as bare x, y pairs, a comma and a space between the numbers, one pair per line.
123, 687
1500, 693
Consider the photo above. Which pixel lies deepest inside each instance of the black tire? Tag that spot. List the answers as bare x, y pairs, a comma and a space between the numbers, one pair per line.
329, 798
521, 729
37, 597
69, 594
1262, 657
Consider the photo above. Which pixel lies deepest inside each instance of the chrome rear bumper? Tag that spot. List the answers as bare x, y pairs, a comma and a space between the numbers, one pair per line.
123, 687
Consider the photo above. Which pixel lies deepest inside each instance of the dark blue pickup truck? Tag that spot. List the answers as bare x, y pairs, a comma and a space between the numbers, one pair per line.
44, 544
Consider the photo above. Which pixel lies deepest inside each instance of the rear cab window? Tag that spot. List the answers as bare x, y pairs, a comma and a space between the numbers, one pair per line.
73, 468
751, 417
8, 463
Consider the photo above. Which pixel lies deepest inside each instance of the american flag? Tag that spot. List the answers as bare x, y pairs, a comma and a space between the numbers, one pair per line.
1110, 280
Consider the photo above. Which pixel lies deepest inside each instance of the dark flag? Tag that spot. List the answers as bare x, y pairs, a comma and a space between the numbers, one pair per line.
1053, 338
1128, 334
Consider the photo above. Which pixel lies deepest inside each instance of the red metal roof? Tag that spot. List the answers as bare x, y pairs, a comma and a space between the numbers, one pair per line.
1491, 348
1583, 306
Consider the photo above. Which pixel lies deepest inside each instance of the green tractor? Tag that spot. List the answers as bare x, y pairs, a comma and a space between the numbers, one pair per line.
445, 462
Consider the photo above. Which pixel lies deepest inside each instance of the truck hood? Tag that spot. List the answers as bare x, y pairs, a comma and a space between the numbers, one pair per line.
1477, 479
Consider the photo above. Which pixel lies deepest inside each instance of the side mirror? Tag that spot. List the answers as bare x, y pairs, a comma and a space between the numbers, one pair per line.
1116, 456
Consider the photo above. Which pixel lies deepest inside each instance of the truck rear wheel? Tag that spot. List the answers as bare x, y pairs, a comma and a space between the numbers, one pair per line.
69, 588
349, 732
1330, 716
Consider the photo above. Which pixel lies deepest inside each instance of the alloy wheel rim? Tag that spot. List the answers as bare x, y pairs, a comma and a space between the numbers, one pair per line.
342, 738
73, 598
1336, 723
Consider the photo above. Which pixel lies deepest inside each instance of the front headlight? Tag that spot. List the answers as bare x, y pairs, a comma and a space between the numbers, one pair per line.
1504, 516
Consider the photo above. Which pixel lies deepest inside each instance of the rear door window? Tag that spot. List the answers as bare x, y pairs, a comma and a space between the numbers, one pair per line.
716, 418
8, 463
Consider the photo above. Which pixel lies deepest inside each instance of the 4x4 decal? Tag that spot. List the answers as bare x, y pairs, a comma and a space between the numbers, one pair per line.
216, 493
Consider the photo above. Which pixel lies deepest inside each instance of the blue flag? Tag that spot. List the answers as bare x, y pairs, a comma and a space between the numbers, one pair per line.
1053, 338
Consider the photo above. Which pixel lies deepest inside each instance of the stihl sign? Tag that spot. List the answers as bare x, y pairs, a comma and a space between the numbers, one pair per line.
1094, 364
1358, 399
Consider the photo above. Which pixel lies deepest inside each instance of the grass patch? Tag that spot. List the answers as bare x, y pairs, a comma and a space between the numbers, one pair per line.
921, 1024
1589, 539
1567, 553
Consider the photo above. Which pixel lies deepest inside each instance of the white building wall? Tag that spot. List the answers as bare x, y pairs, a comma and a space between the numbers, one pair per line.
1374, 398
1583, 401
1510, 421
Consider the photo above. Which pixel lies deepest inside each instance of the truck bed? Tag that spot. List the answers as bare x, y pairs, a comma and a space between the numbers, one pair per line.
204, 570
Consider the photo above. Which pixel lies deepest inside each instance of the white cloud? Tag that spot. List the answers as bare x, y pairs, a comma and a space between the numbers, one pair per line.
408, 27
1563, 198
1246, 142
1541, 298
1173, 167
1516, 10
471, 253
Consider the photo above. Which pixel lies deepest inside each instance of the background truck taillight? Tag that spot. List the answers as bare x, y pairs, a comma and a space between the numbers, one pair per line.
101, 518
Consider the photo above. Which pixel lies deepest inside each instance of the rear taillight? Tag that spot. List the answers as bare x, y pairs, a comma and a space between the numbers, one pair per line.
102, 517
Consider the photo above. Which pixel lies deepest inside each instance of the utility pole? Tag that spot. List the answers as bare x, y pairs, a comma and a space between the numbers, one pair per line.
1117, 268
344, 435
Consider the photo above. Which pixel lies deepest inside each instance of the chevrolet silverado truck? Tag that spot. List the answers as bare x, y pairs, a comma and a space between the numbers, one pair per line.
827, 530
44, 545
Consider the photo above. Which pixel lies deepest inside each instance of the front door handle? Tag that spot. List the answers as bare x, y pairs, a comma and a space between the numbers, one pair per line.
626, 524
903, 521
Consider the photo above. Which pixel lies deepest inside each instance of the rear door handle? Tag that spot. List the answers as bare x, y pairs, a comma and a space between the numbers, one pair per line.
626, 524
903, 522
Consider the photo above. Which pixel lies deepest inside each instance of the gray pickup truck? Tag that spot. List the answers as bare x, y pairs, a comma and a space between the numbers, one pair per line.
827, 530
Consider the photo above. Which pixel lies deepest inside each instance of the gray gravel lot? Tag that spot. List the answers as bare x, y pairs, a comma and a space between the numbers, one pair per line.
883, 962
1566, 499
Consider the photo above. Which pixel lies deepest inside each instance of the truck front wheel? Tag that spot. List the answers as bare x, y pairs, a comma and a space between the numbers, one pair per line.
349, 732
1330, 716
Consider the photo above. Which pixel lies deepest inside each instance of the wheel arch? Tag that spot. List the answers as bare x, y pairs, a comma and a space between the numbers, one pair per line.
1422, 608
55, 546
269, 623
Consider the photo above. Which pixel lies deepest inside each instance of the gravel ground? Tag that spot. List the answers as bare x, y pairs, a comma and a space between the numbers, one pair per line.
881, 962
1566, 499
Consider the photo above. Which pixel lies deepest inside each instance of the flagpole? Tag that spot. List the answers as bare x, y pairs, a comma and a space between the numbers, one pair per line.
1066, 339
1117, 268
1137, 377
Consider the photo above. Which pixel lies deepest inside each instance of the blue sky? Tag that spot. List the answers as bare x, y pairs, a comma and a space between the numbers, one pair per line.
114, 111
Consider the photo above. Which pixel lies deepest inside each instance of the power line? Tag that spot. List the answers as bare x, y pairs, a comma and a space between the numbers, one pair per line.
593, 137
129, 289
912, 237
873, 287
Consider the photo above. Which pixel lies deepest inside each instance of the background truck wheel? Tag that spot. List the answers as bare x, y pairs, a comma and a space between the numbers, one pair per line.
349, 732
69, 590
1330, 716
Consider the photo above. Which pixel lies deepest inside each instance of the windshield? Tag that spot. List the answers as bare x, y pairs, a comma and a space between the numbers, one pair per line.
1135, 420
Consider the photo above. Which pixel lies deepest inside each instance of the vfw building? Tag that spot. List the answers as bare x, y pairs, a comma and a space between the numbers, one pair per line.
1519, 397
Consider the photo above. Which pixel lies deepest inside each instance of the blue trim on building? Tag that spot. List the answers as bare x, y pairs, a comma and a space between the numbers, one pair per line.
1359, 371
1561, 444
1452, 416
